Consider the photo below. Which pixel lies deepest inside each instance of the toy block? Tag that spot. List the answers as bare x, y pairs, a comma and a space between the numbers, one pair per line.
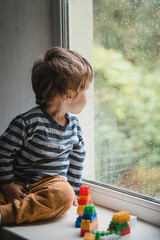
88, 198
90, 209
78, 222
121, 217
84, 201
118, 226
84, 231
118, 233
98, 234
80, 210
103, 237
84, 190
85, 224
125, 231
89, 236
113, 232
111, 229
89, 216
133, 221
108, 237
88, 225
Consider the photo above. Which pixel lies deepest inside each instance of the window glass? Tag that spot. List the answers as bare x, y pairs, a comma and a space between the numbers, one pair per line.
126, 48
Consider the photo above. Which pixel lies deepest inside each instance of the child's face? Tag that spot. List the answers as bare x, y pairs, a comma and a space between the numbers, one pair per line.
81, 100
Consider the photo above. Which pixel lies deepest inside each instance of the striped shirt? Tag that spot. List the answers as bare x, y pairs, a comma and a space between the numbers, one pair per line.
34, 146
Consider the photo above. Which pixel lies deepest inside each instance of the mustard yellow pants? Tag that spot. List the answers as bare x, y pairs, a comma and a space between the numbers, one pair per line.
50, 197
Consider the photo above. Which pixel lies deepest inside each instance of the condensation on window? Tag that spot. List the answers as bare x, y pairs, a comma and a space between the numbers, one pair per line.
126, 57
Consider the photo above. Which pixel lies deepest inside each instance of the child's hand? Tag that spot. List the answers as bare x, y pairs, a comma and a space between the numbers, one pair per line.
75, 202
13, 191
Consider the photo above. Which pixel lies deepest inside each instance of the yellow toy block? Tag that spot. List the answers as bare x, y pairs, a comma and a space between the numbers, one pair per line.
121, 217
85, 197
89, 236
86, 224
80, 210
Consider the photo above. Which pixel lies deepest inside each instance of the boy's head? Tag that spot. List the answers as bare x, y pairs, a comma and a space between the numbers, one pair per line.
57, 72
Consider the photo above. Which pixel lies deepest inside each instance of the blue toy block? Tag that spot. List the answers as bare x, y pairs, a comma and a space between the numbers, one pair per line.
89, 216
78, 222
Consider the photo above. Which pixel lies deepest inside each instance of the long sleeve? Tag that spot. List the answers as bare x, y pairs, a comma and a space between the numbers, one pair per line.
77, 157
11, 142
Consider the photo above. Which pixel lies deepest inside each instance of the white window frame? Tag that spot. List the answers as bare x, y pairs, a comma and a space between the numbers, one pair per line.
117, 200
102, 195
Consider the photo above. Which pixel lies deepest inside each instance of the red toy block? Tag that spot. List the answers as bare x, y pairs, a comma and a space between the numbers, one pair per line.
84, 202
84, 190
83, 232
111, 229
125, 231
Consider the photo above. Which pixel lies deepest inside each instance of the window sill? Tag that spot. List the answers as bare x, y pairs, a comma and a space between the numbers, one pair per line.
64, 227
118, 201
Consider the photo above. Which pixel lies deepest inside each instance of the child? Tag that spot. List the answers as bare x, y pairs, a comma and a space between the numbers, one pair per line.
42, 150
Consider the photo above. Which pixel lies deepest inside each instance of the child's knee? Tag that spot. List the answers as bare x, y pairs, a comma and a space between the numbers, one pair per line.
69, 193
62, 194
65, 194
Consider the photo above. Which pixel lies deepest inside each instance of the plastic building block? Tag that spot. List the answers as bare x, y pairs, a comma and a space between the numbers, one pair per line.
80, 210
89, 236
88, 198
125, 231
84, 231
133, 221
90, 209
84, 190
111, 229
78, 222
103, 235
118, 226
121, 217
108, 237
87, 226
89, 213
89, 216
84, 201
84, 195
98, 234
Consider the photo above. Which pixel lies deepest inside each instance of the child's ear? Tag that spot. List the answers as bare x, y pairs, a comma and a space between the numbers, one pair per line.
69, 95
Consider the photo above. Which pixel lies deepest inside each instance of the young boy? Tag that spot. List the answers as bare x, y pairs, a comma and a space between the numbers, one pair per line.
42, 150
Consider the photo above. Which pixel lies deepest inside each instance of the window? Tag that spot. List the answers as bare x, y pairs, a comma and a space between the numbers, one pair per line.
126, 62
121, 38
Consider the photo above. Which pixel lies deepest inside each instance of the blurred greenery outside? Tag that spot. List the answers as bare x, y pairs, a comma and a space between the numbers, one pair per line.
127, 94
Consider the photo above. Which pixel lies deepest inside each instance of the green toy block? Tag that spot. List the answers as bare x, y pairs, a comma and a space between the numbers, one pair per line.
108, 232
103, 233
118, 233
118, 227
98, 234
90, 209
